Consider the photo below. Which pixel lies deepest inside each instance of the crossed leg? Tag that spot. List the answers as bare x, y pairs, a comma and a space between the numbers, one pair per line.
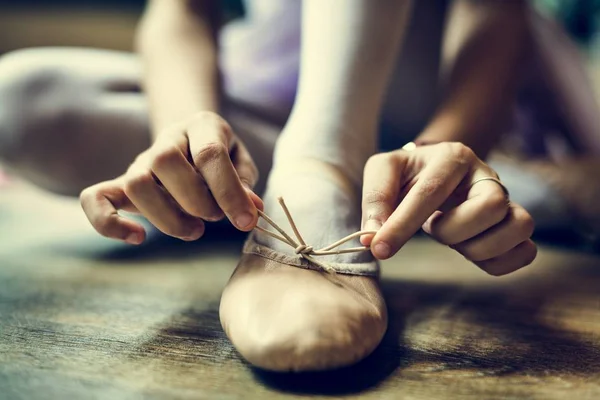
74, 117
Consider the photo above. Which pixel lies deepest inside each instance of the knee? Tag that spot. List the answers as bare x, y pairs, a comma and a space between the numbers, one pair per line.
40, 99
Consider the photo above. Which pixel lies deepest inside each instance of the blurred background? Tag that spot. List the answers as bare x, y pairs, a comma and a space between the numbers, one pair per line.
95, 23
106, 24
110, 24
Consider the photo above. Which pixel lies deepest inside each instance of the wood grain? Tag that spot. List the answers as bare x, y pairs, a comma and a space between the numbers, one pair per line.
82, 317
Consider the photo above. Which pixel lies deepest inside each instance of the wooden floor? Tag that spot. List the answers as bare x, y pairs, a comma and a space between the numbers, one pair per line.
82, 317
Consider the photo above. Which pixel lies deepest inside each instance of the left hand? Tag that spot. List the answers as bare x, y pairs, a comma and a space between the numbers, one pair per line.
432, 187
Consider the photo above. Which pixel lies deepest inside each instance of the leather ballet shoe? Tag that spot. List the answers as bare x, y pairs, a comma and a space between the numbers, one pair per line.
283, 313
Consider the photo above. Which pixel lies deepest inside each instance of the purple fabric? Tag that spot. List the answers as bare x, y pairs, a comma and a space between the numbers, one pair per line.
260, 54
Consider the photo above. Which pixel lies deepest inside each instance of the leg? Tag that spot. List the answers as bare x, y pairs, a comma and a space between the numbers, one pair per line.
280, 309
74, 117
558, 94
70, 117
413, 91
556, 88
562, 78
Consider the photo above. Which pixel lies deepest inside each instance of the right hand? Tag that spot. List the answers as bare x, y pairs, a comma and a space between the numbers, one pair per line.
196, 171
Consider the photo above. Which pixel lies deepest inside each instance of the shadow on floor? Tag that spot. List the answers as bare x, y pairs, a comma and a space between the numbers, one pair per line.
524, 341
219, 238
349, 380
499, 330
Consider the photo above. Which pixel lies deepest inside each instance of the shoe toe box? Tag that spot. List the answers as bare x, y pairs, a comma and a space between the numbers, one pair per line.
291, 319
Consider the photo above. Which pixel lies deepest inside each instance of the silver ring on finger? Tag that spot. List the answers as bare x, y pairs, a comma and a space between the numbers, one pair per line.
491, 178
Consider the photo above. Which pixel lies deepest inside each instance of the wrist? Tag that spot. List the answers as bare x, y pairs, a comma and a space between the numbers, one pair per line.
454, 126
162, 123
329, 120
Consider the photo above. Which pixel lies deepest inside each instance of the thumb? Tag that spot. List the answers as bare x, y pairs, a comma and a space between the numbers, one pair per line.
258, 203
381, 191
101, 204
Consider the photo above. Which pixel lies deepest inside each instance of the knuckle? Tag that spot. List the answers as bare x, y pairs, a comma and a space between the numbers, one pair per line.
382, 161
135, 181
524, 221
86, 196
89, 196
142, 160
376, 160
210, 152
376, 198
496, 205
459, 153
166, 157
208, 118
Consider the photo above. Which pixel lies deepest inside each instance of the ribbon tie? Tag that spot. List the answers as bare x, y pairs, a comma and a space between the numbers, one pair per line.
301, 248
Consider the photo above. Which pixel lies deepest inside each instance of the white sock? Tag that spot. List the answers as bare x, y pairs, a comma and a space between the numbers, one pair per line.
324, 210
348, 50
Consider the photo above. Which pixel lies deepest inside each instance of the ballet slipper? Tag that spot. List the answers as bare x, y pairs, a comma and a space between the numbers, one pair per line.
294, 313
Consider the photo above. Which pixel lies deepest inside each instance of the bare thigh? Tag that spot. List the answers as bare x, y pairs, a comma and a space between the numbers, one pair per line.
74, 117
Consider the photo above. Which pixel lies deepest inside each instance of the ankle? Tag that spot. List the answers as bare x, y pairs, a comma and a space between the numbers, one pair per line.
320, 169
344, 148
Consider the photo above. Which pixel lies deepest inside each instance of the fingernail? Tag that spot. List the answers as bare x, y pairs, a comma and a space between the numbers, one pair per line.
195, 235
243, 220
134, 238
426, 226
382, 250
372, 225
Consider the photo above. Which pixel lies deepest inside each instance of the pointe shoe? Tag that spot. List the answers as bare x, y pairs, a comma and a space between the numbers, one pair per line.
282, 313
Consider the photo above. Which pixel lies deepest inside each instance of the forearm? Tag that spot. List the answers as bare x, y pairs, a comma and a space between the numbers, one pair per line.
176, 43
483, 50
348, 50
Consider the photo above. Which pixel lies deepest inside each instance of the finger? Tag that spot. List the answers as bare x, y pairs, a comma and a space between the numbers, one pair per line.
516, 258
162, 212
486, 206
258, 203
381, 190
244, 165
181, 179
517, 227
210, 141
434, 185
247, 171
101, 203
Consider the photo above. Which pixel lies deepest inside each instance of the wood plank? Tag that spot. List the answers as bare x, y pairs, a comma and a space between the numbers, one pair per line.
82, 317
